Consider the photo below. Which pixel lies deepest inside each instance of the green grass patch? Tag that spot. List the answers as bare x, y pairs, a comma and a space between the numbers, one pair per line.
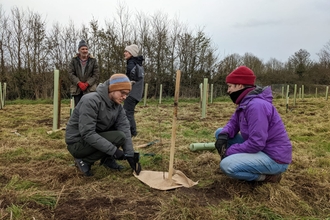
13, 155
15, 211
45, 200
18, 183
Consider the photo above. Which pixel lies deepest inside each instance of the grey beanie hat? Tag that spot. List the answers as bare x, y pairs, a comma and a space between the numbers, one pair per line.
82, 43
133, 49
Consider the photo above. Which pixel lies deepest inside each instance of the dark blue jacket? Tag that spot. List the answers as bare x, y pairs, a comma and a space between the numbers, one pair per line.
137, 87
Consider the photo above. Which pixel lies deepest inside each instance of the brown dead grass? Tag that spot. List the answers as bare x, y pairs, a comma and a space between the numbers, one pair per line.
38, 179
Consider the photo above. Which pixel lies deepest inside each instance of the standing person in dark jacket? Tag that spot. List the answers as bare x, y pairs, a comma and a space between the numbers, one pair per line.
262, 150
135, 73
98, 127
83, 73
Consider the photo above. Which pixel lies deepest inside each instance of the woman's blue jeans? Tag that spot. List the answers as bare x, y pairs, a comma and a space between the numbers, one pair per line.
248, 166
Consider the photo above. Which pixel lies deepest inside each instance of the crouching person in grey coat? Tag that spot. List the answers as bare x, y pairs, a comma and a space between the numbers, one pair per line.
98, 127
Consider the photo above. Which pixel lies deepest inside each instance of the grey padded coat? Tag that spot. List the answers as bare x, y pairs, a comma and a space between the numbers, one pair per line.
96, 113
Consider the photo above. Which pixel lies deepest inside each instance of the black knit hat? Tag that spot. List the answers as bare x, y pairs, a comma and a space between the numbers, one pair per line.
82, 43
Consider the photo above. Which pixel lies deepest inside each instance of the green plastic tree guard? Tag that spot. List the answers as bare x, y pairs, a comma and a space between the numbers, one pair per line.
202, 146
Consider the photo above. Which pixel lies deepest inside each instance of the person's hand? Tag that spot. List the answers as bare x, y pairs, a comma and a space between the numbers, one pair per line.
119, 155
82, 86
221, 145
134, 163
86, 84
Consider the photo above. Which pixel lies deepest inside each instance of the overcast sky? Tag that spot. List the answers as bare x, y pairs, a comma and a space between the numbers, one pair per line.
265, 28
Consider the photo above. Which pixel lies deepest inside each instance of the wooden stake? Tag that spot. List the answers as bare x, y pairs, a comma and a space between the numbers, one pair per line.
175, 115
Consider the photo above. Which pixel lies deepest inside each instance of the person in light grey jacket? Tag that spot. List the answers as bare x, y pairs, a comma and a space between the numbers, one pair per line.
98, 127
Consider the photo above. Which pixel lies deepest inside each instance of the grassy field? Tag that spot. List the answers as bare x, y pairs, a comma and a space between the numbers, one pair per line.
38, 179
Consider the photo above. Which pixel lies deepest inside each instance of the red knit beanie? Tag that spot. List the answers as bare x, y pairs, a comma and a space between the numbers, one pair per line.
241, 75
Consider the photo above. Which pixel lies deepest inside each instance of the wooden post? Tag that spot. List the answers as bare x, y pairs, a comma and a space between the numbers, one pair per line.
175, 116
302, 91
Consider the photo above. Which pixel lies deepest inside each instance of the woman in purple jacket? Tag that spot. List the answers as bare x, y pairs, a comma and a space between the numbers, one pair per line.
254, 144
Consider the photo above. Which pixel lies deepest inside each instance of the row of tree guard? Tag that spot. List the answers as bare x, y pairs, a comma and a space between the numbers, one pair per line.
204, 91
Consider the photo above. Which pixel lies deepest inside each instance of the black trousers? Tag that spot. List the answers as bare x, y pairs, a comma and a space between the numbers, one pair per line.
129, 106
89, 154
77, 98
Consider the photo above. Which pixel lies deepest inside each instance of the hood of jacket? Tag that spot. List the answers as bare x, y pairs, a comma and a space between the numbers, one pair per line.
136, 60
264, 93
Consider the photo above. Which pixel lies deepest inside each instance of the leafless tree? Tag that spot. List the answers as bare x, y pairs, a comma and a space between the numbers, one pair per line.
253, 63
324, 56
300, 62
3, 44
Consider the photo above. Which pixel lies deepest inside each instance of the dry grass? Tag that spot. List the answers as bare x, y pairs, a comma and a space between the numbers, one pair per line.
38, 179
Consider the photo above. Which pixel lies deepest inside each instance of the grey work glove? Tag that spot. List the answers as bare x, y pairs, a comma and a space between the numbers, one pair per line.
221, 145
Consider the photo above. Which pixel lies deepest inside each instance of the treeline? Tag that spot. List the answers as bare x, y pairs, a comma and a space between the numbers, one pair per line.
30, 51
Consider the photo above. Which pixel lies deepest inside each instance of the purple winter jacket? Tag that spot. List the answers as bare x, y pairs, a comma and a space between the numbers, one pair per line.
261, 127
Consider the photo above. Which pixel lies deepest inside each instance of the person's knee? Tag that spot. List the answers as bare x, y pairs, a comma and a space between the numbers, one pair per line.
226, 167
217, 132
121, 138
121, 135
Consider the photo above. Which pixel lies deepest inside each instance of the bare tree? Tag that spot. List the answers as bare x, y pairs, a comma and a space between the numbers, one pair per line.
253, 63
16, 37
159, 52
36, 56
62, 46
3, 44
274, 73
123, 22
224, 67
324, 56
300, 62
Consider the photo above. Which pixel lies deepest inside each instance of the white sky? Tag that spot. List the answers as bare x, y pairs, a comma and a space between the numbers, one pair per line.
265, 28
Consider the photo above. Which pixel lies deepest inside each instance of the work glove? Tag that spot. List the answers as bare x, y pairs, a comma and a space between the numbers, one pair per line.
119, 155
82, 86
221, 145
134, 163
